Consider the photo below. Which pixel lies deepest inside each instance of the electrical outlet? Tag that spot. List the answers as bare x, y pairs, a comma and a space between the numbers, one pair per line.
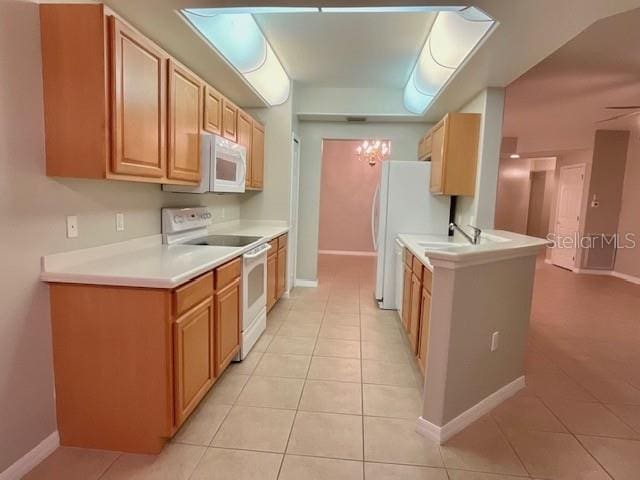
495, 341
72, 226
119, 222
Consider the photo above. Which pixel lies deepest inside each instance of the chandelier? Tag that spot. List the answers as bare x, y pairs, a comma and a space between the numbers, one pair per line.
373, 151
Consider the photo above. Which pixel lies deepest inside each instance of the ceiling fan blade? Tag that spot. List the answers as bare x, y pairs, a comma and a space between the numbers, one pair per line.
615, 117
624, 107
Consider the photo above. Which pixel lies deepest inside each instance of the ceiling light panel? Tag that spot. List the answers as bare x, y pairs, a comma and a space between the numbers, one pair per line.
237, 37
453, 37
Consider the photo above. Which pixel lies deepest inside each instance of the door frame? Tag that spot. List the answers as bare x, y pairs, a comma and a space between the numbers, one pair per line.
294, 204
583, 167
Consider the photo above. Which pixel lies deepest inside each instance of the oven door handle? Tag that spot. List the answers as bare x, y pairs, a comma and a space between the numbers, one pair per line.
264, 249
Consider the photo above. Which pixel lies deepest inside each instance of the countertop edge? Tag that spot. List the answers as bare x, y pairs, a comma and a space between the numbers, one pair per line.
453, 260
52, 276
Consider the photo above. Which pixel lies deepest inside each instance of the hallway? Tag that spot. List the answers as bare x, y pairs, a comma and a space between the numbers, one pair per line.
331, 393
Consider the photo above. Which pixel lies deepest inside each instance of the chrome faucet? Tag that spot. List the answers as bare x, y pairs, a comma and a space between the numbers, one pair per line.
473, 240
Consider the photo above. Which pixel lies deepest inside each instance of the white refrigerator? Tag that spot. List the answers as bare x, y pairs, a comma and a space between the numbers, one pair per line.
402, 204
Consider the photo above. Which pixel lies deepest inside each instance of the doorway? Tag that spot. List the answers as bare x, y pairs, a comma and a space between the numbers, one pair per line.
567, 218
347, 200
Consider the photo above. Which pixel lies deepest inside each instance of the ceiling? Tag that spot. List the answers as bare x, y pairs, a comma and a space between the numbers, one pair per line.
326, 54
555, 106
347, 49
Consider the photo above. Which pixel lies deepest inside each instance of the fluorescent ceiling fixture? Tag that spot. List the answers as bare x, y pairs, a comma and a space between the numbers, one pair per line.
237, 37
514, 155
453, 37
390, 9
256, 10
415, 101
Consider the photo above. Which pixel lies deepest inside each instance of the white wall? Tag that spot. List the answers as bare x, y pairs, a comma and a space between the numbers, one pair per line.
350, 101
33, 210
479, 210
404, 146
273, 202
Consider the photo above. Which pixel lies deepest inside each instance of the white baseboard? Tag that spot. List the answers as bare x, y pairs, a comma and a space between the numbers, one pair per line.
591, 271
347, 252
624, 276
306, 283
25, 464
610, 273
462, 421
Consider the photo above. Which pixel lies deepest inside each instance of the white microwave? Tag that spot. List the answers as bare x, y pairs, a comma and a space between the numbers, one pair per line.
223, 167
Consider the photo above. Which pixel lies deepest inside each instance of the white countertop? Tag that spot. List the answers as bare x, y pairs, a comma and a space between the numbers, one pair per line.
456, 251
146, 262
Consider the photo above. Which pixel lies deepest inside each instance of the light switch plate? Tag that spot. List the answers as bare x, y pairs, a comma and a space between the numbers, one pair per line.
119, 222
72, 226
495, 341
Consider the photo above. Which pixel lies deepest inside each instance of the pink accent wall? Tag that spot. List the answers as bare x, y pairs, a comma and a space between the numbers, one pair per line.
346, 193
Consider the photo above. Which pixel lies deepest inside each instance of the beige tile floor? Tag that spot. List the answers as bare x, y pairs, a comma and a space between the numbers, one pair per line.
331, 392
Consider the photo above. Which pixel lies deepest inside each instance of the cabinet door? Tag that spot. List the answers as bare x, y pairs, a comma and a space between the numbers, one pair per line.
281, 281
229, 120
437, 159
406, 297
272, 280
244, 138
423, 343
414, 319
257, 160
185, 101
139, 104
228, 319
193, 351
212, 111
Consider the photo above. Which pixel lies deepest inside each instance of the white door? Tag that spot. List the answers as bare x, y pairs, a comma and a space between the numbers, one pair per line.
293, 234
567, 228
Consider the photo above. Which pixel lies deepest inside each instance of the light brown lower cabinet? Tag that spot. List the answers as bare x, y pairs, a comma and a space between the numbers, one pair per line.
228, 305
272, 275
406, 297
416, 307
276, 270
131, 364
423, 344
194, 355
414, 317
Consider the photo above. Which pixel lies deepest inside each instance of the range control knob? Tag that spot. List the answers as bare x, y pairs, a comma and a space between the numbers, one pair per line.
178, 219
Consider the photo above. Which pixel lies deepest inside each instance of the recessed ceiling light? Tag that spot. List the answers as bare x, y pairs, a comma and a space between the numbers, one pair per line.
453, 37
514, 155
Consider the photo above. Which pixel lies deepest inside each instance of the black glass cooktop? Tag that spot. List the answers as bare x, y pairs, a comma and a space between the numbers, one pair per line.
224, 240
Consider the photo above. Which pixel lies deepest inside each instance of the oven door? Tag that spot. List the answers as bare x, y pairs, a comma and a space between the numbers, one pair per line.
229, 170
254, 283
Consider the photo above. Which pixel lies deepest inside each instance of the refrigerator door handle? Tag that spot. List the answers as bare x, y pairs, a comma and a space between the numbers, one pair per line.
374, 233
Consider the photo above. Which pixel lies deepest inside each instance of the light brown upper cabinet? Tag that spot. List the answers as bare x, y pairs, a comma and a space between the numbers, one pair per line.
106, 98
185, 106
138, 98
229, 120
212, 111
257, 156
452, 148
244, 138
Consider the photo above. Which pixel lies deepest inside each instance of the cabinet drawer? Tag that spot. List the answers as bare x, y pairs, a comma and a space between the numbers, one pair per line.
192, 293
274, 247
227, 273
408, 258
282, 241
416, 266
427, 279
